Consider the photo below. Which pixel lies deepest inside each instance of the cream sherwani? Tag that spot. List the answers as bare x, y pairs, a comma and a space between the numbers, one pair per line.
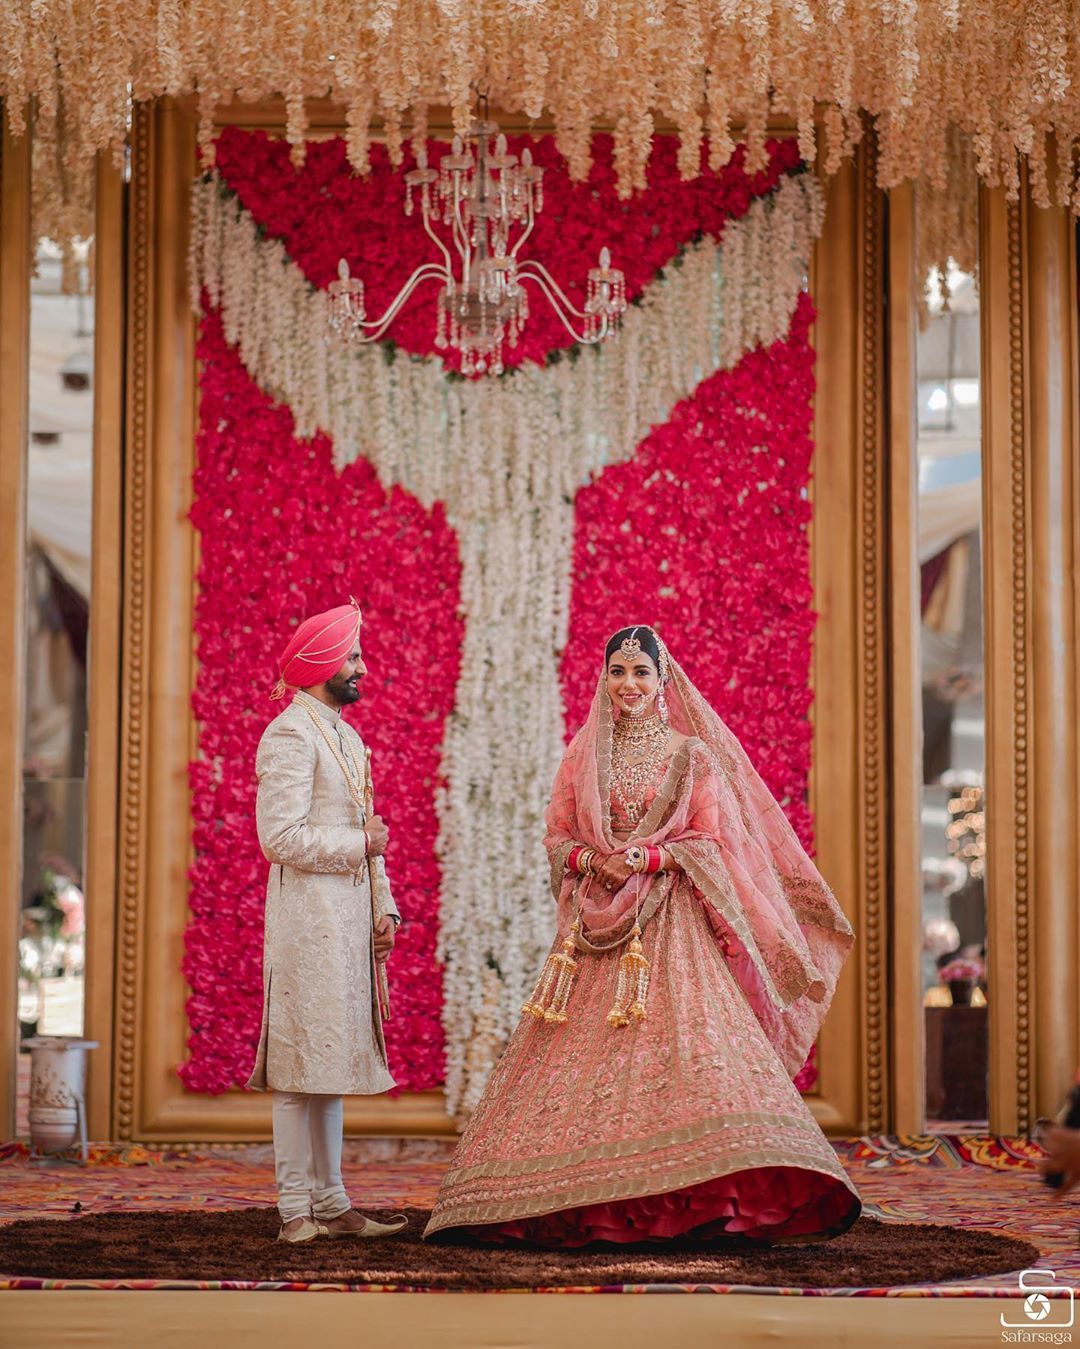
321, 1029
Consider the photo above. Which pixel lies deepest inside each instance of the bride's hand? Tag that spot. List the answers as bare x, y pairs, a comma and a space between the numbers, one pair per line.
613, 872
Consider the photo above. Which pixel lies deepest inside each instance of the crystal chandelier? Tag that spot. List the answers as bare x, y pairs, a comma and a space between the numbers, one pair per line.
485, 202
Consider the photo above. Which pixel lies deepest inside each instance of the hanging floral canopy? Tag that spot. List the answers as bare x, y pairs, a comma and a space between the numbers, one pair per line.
1004, 71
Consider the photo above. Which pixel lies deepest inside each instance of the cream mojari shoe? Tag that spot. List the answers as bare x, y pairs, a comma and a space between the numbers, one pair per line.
353, 1224
298, 1230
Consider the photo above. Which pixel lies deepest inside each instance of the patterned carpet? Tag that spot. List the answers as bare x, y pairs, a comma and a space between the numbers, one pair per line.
972, 1181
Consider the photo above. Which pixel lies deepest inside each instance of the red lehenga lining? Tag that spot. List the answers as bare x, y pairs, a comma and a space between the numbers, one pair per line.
772, 1203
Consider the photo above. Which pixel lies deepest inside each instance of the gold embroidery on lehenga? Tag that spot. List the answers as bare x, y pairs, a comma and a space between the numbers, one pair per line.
706, 873
620, 1174
579, 1113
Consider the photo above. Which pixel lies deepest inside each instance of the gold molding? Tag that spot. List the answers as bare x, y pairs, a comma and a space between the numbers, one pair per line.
132, 784
325, 118
1054, 399
156, 740
848, 784
871, 630
907, 1034
16, 261
1006, 566
105, 638
1020, 563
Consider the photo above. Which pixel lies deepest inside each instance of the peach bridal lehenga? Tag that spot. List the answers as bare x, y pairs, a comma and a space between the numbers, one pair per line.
684, 1122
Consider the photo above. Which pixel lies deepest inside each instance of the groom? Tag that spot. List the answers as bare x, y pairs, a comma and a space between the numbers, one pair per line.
330, 923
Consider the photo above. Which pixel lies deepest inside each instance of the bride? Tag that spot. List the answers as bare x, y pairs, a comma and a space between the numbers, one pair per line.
647, 1091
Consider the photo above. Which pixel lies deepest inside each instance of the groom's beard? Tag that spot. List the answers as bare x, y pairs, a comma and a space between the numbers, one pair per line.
343, 691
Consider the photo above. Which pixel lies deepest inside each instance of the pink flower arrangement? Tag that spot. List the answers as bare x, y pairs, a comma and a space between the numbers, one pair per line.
962, 969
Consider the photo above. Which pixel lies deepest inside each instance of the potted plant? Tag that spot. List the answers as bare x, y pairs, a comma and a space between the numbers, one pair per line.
961, 975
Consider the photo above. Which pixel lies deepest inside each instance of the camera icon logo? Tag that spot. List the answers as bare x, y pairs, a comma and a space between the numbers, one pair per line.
1055, 1312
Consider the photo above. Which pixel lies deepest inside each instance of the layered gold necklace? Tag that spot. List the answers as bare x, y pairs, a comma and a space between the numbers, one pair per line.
638, 749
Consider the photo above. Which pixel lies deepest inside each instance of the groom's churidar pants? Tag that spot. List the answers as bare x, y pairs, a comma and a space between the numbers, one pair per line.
307, 1155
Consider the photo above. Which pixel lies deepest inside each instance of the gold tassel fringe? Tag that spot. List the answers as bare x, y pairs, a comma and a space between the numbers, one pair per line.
632, 985
552, 992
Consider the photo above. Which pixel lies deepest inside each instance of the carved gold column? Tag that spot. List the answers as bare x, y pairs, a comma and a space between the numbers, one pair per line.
850, 789
159, 562
16, 260
103, 674
1051, 298
1028, 270
903, 655
1007, 637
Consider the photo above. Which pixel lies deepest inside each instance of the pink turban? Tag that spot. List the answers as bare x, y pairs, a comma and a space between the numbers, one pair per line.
318, 648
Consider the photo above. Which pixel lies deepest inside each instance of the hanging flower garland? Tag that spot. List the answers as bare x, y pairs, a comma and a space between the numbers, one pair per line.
1008, 75
504, 459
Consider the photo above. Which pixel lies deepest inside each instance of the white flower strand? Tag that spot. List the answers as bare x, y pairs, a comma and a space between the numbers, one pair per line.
506, 457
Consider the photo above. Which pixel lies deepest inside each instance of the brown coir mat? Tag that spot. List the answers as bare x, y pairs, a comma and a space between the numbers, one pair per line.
238, 1245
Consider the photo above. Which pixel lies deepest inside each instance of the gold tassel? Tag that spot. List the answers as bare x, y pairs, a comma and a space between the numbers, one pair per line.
632, 984
552, 991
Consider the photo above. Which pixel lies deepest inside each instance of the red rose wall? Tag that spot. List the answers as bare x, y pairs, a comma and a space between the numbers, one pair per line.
482, 523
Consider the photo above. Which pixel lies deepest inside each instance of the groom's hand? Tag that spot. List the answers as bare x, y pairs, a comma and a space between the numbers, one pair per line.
378, 836
384, 938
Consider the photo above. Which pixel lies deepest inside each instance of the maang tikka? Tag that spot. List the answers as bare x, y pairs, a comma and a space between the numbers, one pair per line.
630, 647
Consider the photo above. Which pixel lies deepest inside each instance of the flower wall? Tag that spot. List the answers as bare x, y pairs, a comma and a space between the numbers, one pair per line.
704, 534
662, 478
284, 534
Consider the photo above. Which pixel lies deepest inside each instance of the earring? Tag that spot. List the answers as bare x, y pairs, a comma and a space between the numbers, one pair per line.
661, 703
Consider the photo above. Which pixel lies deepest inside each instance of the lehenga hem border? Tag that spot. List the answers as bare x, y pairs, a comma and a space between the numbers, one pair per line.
636, 1147
681, 1178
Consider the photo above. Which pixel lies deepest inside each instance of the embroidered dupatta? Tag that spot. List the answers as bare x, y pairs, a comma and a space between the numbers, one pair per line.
784, 935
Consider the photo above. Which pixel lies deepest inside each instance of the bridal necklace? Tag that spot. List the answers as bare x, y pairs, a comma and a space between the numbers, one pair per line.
638, 749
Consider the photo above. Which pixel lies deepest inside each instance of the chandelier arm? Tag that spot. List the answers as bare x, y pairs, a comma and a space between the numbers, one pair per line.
375, 328
536, 271
526, 230
461, 236
430, 232
553, 300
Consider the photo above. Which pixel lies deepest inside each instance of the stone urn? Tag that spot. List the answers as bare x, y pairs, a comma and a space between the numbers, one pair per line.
58, 1068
